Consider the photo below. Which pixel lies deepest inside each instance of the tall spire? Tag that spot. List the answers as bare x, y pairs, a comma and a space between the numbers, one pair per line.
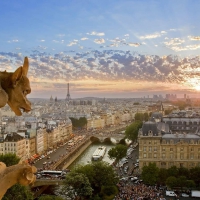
68, 95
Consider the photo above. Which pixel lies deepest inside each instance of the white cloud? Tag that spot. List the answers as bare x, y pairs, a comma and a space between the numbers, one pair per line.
152, 36
126, 35
174, 41
56, 41
133, 44
194, 37
186, 48
172, 29
11, 41
42, 47
42, 40
96, 33
99, 41
74, 42
84, 38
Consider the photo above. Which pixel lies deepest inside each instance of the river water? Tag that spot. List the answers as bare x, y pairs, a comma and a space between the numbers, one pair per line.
86, 156
83, 159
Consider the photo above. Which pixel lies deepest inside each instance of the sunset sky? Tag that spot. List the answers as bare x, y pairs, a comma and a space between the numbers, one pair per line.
103, 48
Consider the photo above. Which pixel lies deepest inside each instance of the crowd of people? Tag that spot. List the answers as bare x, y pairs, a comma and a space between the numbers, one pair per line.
139, 191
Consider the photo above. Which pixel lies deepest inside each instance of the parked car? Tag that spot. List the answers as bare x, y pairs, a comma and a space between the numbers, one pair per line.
171, 194
133, 178
123, 179
185, 195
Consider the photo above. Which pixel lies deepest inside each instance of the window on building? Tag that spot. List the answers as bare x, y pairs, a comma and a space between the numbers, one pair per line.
192, 164
192, 149
191, 156
163, 155
149, 142
155, 142
163, 148
155, 155
144, 148
163, 164
171, 164
171, 155
181, 148
144, 155
181, 165
181, 156
150, 155
171, 149
155, 148
150, 148
164, 141
144, 164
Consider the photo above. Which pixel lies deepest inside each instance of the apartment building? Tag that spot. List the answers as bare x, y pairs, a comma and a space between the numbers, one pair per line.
167, 149
15, 143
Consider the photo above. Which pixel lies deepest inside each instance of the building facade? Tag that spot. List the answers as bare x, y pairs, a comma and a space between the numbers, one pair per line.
167, 150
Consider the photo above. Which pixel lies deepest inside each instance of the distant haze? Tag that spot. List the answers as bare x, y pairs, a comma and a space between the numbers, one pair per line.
111, 49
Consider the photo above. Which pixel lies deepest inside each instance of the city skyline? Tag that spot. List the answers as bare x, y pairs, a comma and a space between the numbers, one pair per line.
119, 49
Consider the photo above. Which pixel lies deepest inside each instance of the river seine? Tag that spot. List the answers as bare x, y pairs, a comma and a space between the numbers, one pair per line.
83, 159
86, 156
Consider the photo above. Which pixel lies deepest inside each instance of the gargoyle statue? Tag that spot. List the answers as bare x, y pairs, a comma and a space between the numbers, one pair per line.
14, 86
20, 173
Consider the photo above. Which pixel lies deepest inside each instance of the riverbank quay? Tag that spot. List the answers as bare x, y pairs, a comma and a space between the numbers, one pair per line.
67, 160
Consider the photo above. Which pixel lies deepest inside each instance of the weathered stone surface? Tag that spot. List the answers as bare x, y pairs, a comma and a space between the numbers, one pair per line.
20, 173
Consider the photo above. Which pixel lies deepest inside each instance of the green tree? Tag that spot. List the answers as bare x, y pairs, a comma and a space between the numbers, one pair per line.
150, 174
50, 197
194, 175
77, 185
171, 182
163, 174
9, 159
181, 181
190, 184
17, 192
146, 117
182, 171
118, 152
99, 174
79, 123
109, 192
173, 171
131, 131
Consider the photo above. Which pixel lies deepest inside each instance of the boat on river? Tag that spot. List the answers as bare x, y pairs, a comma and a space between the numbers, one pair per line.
99, 153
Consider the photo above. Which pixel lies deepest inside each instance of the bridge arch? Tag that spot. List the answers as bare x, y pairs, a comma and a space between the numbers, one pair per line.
113, 138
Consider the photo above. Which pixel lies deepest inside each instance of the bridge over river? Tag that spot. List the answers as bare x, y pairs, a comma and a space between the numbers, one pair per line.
114, 138
65, 161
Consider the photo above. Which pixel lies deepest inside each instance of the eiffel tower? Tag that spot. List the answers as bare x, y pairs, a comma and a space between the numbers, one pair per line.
68, 95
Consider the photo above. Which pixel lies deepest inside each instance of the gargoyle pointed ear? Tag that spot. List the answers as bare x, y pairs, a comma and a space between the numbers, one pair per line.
16, 76
25, 66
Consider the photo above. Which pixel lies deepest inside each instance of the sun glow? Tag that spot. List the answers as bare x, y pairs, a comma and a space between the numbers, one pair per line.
197, 87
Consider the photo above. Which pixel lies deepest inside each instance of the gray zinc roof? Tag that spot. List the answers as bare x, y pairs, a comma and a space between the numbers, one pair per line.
149, 126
